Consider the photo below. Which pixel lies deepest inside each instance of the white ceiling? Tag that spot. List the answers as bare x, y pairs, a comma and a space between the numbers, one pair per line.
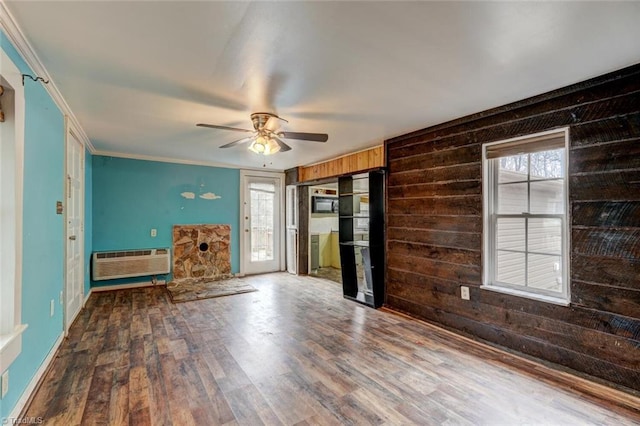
140, 75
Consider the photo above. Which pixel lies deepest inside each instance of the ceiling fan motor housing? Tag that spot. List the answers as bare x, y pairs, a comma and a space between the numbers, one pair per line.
259, 119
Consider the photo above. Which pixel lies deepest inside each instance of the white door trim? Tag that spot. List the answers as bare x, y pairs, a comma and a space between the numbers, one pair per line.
11, 191
71, 132
252, 173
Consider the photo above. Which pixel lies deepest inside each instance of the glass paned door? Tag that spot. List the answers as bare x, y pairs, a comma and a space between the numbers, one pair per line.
262, 224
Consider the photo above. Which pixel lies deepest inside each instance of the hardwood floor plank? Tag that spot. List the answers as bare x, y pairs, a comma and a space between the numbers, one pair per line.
138, 389
295, 352
217, 403
233, 376
99, 396
357, 412
277, 391
118, 401
140, 417
312, 369
176, 389
157, 394
387, 413
250, 408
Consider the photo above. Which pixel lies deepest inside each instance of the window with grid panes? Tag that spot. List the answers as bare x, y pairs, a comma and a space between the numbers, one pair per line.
525, 216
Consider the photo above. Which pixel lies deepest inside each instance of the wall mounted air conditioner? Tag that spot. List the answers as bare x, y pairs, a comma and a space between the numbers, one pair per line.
110, 265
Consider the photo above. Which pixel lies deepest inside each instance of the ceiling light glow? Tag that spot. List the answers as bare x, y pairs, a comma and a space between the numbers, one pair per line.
264, 145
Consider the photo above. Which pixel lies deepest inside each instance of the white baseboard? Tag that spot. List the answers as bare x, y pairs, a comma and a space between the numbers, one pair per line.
127, 286
33, 384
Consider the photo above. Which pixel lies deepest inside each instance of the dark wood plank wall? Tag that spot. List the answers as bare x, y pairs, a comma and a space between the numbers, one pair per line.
303, 230
434, 228
291, 177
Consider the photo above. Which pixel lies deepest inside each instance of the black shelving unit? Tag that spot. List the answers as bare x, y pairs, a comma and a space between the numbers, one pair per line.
362, 259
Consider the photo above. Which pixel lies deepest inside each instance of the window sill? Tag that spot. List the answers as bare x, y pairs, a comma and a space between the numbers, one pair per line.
539, 297
11, 346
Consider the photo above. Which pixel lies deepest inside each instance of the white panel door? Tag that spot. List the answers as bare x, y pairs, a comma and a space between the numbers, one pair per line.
292, 228
74, 288
262, 224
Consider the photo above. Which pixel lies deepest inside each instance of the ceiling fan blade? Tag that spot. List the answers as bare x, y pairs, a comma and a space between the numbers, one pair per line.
213, 126
314, 137
283, 146
238, 142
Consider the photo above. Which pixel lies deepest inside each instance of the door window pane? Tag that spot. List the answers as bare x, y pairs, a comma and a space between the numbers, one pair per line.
262, 221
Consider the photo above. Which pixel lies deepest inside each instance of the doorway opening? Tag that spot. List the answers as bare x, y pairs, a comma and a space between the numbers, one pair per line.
324, 248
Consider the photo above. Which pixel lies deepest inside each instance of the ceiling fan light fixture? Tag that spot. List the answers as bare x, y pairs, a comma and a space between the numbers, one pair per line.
267, 139
264, 145
259, 145
272, 147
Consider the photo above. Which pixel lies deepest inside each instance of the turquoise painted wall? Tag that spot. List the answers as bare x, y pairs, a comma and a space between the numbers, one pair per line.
43, 242
130, 197
88, 219
124, 199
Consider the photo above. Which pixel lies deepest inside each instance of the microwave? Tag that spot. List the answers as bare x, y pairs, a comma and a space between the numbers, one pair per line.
324, 205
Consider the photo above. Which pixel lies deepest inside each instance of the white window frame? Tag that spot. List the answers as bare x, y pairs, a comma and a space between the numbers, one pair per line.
489, 189
11, 190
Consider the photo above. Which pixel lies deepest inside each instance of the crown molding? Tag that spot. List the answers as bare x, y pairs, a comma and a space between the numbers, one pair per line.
12, 30
178, 161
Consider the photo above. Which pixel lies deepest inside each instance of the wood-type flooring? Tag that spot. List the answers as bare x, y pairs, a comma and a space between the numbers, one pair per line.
295, 353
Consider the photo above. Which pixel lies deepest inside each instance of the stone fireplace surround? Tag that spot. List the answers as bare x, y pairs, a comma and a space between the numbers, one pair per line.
201, 252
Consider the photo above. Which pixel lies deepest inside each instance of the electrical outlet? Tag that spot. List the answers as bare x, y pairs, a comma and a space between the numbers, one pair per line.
5, 383
464, 293
154, 232
61, 297
52, 307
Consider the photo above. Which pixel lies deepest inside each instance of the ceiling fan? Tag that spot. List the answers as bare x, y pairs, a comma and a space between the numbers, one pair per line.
266, 138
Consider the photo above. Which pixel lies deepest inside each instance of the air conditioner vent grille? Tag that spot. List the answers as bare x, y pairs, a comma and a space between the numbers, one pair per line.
130, 263
130, 253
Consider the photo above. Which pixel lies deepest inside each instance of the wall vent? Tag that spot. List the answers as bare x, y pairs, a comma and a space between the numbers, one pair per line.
130, 263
